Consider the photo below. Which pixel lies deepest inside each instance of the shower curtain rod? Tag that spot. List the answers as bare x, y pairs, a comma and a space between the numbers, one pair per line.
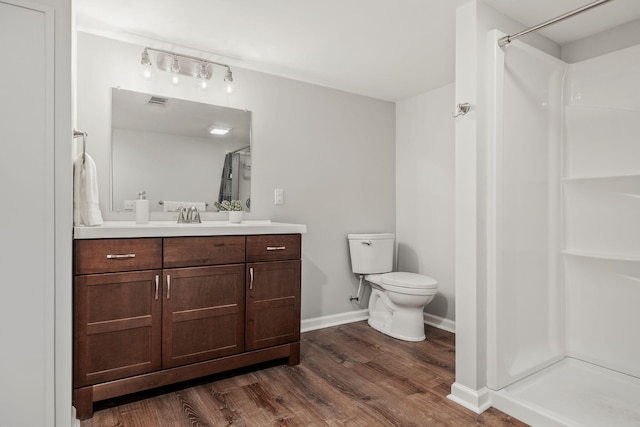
507, 39
240, 149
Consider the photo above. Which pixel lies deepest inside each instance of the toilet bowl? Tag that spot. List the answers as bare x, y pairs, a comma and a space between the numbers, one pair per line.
397, 299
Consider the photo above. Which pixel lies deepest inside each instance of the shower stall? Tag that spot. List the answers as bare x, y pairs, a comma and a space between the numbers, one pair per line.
563, 237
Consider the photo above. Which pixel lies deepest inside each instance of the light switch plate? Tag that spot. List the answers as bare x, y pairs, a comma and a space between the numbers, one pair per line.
279, 196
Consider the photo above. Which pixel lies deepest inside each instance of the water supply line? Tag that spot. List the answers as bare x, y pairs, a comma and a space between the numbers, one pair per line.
357, 298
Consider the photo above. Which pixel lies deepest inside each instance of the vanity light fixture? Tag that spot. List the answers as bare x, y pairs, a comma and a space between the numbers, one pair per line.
184, 65
228, 77
219, 131
175, 69
145, 65
203, 75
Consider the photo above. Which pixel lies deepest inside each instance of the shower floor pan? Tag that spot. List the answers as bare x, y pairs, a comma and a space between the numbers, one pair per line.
573, 393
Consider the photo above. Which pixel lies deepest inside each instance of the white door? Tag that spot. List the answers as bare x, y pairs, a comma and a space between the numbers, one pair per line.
26, 215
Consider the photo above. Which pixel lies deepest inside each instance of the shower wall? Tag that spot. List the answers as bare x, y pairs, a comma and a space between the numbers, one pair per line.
602, 211
524, 215
565, 150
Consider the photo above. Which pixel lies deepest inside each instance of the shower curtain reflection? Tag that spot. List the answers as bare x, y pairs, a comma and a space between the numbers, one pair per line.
235, 182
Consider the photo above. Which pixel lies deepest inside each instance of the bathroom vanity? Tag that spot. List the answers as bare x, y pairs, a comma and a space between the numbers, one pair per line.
163, 303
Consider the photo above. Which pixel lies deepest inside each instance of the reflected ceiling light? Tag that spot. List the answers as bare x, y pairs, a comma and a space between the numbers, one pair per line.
219, 131
184, 65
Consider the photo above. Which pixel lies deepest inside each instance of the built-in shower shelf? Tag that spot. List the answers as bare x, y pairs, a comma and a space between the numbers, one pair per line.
603, 256
629, 176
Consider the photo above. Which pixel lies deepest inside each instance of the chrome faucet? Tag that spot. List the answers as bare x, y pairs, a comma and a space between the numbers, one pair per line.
192, 215
181, 218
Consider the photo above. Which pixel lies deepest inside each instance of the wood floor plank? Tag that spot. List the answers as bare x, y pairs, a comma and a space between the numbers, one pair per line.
349, 375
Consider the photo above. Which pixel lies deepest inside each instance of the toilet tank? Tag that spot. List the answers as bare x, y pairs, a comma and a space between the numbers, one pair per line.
371, 253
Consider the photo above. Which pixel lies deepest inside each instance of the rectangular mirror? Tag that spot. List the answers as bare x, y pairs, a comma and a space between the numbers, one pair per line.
165, 147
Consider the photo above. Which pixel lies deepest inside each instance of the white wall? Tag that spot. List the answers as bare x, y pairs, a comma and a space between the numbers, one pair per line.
615, 38
35, 309
425, 192
332, 152
601, 210
474, 20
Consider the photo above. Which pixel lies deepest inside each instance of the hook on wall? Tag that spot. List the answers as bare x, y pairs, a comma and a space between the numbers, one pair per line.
461, 109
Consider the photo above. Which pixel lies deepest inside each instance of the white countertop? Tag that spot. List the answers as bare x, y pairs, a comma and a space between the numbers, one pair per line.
123, 229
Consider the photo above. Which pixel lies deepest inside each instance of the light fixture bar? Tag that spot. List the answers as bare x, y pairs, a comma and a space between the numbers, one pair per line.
195, 60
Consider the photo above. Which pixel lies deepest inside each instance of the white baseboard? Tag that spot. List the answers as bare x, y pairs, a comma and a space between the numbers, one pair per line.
75, 422
440, 322
477, 401
333, 320
356, 316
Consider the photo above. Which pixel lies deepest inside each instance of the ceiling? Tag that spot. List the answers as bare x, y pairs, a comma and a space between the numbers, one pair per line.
386, 49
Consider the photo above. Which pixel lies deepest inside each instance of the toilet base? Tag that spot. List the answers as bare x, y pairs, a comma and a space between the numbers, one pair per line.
379, 325
405, 324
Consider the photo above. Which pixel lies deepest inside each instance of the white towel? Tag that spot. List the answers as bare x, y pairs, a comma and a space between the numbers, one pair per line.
86, 209
173, 206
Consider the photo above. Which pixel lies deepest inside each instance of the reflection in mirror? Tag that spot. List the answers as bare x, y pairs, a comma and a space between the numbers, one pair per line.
165, 147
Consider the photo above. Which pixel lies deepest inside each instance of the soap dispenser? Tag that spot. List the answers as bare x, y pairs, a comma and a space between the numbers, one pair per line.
142, 208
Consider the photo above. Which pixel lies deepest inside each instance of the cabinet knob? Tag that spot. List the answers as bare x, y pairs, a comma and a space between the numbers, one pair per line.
276, 248
168, 286
250, 278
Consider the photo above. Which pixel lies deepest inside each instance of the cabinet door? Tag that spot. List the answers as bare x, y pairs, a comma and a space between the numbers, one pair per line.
203, 311
117, 326
273, 304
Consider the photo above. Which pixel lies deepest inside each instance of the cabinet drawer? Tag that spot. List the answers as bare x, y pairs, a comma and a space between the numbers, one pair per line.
273, 247
115, 255
198, 251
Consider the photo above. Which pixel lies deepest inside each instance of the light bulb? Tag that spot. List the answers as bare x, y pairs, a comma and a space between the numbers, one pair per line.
175, 65
203, 75
228, 77
145, 66
175, 69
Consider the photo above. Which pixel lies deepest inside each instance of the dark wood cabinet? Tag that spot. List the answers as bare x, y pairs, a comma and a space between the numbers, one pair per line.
149, 312
203, 314
117, 326
273, 303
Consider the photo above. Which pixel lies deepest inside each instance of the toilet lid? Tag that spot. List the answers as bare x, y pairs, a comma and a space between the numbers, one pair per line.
409, 280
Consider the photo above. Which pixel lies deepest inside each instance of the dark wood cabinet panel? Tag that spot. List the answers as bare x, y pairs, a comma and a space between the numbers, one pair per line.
273, 247
114, 255
117, 326
273, 304
206, 250
203, 314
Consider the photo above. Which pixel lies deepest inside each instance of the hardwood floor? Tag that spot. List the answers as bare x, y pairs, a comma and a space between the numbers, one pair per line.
350, 375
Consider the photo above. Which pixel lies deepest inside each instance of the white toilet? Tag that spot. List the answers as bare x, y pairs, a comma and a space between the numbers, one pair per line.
397, 299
